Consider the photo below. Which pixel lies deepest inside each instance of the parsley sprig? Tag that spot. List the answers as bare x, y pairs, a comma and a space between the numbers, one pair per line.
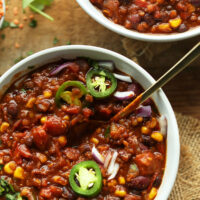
38, 6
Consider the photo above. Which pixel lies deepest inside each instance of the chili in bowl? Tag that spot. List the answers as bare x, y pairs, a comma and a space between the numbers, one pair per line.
47, 94
159, 21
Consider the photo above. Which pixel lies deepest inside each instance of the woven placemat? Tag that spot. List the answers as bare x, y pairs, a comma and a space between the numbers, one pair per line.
73, 24
187, 186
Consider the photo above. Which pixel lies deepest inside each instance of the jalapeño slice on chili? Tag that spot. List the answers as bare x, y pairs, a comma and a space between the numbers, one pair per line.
67, 95
100, 82
85, 179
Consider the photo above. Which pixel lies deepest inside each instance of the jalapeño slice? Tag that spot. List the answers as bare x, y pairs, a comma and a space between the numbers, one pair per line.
67, 95
100, 82
85, 179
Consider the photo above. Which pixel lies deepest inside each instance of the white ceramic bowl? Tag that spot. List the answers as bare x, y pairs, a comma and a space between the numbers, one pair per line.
125, 65
4, 9
97, 15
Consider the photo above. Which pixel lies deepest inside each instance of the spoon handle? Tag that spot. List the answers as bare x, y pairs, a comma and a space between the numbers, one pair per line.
178, 67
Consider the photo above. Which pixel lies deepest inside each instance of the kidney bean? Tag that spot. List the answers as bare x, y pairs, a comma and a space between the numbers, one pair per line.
12, 108
139, 183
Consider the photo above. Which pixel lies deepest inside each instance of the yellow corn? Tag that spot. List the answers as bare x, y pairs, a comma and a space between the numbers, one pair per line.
10, 167
174, 23
4, 126
145, 130
120, 193
165, 27
157, 136
62, 140
19, 173
66, 117
95, 140
139, 119
47, 93
121, 180
152, 193
43, 120
31, 102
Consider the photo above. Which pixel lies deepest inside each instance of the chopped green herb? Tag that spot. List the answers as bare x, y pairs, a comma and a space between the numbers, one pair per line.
3, 36
13, 25
33, 23
23, 90
1, 167
18, 59
29, 53
107, 132
5, 24
55, 40
38, 6
68, 43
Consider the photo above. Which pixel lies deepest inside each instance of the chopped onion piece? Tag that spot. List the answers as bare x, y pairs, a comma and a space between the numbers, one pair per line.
114, 172
124, 95
163, 125
60, 68
112, 162
144, 111
107, 160
97, 156
109, 65
123, 78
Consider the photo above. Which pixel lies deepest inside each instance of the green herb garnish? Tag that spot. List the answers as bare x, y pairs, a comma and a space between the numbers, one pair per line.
3, 36
38, 6
55, 40
107, 132
33, 23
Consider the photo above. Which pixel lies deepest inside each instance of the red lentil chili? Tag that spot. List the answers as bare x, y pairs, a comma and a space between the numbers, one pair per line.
152, 16
123, 160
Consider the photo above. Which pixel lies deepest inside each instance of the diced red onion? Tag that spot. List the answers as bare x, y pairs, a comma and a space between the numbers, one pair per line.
124, 95
112, 162
109, 65
144, 111
114, 172
60, 68
97, 156
163, 124
107, 160
123, 78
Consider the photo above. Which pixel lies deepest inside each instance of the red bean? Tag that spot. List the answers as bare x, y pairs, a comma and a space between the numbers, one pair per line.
139, 183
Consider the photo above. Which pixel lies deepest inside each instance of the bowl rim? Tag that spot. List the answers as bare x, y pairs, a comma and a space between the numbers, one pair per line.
94, 12
4, 10
59, 50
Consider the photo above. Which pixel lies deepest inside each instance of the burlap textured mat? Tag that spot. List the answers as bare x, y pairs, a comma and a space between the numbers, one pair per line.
73, 24
187, 185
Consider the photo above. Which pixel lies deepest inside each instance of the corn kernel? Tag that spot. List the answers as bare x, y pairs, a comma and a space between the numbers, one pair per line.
112, 183
47, 93
120, 193
4, 126
165, 27
66, 117
157, 136
174, 23
95, 140
139, 119
10, 167
43, 120
31, 102
19, 173
62, 140
145, 130
153, 193
121, 180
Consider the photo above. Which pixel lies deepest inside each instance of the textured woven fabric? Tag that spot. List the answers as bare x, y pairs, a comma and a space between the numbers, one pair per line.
187, 186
